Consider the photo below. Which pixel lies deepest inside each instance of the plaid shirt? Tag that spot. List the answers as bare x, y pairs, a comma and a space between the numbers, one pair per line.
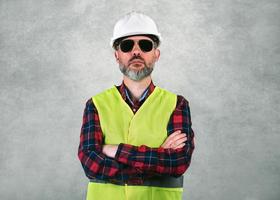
134, 164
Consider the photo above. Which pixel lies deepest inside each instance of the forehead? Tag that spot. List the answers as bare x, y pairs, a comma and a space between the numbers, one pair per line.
137, 37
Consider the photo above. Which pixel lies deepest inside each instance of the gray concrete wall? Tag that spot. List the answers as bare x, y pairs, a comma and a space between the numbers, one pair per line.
222, 55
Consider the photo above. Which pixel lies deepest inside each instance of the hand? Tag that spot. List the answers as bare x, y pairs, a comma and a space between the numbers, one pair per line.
110, 150
175, 140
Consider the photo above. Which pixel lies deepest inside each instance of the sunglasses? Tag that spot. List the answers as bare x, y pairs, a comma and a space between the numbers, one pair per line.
145, 45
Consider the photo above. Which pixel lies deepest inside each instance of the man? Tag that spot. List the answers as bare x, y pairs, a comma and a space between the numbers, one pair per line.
136, 139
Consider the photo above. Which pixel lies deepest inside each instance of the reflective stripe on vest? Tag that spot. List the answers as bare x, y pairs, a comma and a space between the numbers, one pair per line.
148, 126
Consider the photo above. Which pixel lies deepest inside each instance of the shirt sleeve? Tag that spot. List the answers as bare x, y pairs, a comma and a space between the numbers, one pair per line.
159, 160
95, 163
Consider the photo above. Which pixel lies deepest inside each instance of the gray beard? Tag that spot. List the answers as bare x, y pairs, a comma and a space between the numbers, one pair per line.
136, 75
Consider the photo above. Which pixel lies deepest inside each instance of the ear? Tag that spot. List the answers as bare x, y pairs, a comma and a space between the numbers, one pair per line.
157, 54
116, 56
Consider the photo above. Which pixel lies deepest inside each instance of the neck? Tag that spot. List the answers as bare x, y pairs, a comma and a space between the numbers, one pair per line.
137, 87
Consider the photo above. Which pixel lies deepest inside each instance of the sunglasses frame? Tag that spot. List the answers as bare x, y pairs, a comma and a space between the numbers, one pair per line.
136, 41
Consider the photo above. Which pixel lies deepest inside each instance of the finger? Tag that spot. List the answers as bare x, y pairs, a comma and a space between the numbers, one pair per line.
167, 143
169, 139
180, 141
179, 137
176, 143
180, 146
174, 134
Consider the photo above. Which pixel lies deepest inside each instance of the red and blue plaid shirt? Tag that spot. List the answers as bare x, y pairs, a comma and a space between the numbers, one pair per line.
134, 164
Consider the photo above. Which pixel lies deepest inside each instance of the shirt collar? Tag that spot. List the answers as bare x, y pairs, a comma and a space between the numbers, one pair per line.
126, 94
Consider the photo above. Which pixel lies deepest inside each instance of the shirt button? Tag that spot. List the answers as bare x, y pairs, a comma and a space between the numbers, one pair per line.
134, 109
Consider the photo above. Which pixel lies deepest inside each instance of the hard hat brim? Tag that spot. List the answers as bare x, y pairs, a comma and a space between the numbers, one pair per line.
135, 34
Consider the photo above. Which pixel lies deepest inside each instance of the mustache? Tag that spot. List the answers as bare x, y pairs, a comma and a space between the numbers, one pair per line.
136, 57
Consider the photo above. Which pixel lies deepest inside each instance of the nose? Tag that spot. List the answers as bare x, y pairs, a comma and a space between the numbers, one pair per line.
136, 49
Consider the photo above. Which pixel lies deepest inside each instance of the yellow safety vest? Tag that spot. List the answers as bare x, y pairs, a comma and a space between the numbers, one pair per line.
148, 126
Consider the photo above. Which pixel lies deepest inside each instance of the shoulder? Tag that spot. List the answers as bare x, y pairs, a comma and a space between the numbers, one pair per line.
90, 106
182, 102
107, 93
165, 91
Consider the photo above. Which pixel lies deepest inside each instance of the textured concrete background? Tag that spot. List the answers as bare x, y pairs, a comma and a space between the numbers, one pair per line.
222, 55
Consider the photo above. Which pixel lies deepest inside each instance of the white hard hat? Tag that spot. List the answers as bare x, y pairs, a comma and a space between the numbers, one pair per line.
135, 23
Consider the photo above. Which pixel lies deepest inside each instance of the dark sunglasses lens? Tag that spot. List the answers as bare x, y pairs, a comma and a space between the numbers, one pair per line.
127, 45
146, 45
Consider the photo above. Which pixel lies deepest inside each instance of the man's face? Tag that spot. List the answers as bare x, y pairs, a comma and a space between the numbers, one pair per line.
137, 64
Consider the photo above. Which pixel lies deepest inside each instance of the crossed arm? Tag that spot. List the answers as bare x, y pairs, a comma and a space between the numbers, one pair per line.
174, 141
126, 162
